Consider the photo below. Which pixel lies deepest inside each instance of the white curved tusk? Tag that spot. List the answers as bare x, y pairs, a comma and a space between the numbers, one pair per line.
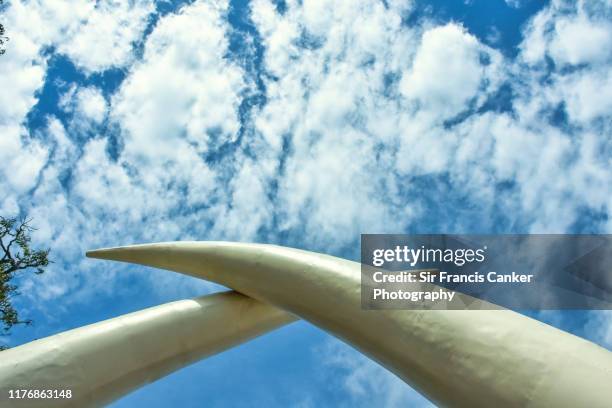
101, 362
456, 358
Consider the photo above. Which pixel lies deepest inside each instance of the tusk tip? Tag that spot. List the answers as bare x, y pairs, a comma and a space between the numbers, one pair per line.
102, 253
113, 253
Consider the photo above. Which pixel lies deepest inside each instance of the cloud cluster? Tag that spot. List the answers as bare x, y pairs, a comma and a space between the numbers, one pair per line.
37, 27
107, 36
331, 116
378, 101
69, 175
567, 86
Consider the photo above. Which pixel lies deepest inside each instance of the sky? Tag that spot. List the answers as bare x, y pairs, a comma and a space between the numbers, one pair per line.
299, 123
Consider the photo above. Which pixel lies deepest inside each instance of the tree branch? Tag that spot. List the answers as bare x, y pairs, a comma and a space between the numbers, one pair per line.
16, 258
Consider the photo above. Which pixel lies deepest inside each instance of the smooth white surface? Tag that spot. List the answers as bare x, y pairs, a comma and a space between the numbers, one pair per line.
104, 361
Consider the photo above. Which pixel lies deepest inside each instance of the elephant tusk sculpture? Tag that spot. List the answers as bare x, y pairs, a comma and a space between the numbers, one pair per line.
454, 357
101, 362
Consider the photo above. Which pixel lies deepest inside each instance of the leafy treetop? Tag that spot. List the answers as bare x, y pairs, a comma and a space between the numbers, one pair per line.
16, 255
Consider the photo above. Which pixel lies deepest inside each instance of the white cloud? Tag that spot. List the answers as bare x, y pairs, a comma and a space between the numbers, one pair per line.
22, 159
578, 40
248, 207
587, 95
570, 33
184, 93
447, 71
92, 103
535, 40
107, 37
87, 104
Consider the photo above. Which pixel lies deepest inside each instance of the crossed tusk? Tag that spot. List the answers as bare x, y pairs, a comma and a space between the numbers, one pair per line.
454, 357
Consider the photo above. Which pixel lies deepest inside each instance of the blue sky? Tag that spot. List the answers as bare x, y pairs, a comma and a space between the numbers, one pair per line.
302, 123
